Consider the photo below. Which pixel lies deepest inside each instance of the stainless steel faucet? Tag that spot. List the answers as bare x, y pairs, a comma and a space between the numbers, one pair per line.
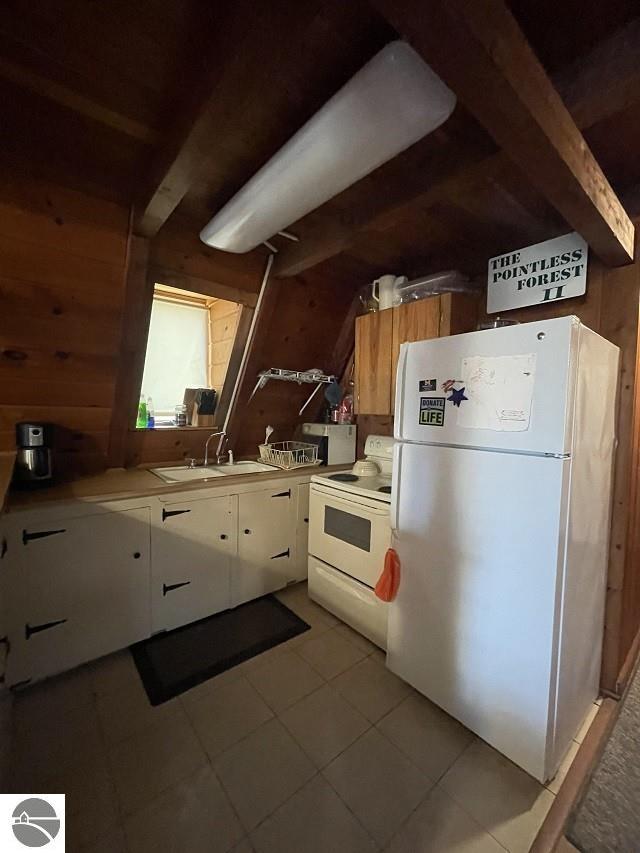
220, 432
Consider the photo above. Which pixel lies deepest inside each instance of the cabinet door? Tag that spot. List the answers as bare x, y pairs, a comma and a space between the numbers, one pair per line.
266, 543
373, 363
299, 570
414, 321
193, 543
81, 591
458, 313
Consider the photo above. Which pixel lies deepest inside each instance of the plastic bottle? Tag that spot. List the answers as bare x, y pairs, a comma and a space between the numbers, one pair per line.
345, 409
141, 420
151, 414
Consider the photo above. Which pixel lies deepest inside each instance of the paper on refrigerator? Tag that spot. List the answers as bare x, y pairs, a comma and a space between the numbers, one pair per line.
499, 391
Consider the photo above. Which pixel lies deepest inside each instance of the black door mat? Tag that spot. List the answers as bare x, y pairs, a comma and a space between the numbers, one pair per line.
175, 661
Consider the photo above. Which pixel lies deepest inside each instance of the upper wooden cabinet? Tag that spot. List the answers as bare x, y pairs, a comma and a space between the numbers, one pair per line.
379, 335
374, 343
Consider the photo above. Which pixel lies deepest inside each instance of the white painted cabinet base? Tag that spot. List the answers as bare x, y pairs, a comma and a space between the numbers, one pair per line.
266, 543
349, 600
193, 543
80, 590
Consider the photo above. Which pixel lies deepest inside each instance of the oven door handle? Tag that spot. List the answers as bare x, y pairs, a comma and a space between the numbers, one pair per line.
328, 496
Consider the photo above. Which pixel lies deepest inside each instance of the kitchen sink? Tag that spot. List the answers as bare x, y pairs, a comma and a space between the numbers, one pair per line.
184, 474
247, 467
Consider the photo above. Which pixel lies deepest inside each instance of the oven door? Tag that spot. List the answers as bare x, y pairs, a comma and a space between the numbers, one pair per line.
349, 533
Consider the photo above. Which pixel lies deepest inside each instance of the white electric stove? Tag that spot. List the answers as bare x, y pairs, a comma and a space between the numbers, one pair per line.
369, 477
349, 534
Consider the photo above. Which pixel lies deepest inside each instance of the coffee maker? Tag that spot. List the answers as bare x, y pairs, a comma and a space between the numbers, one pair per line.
33, 457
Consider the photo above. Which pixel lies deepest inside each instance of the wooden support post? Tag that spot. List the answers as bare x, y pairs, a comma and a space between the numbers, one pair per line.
138, 298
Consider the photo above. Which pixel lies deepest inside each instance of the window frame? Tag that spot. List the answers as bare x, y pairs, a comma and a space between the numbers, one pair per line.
190, 293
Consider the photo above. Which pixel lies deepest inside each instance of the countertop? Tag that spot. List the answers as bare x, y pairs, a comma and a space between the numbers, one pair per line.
6, 472
127, 483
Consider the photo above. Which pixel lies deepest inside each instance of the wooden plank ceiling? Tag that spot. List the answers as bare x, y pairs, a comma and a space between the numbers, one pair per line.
174, 104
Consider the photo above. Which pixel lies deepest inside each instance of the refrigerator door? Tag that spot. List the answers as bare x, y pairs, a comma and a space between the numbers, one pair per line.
505, 389
480, 536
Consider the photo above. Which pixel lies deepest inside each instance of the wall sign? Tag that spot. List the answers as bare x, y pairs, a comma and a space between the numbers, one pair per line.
555, 269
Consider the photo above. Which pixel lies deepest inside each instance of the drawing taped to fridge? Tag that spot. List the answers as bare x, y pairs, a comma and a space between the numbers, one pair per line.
499, 391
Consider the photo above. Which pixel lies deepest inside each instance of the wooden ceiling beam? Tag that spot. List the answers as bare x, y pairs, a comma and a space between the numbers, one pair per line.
613, 62
479, 50
184, 156
68, 98
606, 81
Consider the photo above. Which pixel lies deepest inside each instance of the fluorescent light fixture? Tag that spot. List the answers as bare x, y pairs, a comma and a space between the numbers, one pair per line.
392, 102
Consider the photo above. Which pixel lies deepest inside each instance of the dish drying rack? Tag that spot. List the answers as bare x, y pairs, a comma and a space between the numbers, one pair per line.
289, 454
302, 377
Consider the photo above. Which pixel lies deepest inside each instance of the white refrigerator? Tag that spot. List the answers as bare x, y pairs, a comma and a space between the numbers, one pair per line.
500, 511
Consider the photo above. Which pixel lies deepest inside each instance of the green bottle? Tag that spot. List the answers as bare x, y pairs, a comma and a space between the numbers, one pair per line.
141, 420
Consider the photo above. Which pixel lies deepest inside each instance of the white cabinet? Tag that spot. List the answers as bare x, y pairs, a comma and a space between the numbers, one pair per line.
266, 543
79, 589
193, 543
80, 581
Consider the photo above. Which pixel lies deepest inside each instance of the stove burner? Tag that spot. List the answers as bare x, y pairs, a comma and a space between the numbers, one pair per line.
344, 478
385, 489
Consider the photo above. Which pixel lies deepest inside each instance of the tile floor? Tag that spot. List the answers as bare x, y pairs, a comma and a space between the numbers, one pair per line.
313, 746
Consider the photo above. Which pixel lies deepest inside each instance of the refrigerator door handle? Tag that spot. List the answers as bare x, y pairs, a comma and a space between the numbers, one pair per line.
400, 393
395, 491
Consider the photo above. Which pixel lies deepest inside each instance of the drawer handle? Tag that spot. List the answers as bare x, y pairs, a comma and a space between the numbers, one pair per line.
137, 555
247, 531
35, 629
306, 521
223, 536
286, 494
41, 534
171, 586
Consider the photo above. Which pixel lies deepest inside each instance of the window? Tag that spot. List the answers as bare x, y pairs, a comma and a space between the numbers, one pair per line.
191, 337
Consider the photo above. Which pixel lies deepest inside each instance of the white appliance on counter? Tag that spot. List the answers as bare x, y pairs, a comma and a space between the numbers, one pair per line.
349, 534
336, 442
501, 508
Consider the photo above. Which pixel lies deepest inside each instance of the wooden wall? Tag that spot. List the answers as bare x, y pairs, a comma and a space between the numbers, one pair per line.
224, 318
301, 327
61, 293
178, 253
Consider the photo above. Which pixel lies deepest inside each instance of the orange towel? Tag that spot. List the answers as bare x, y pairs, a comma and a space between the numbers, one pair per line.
389, 580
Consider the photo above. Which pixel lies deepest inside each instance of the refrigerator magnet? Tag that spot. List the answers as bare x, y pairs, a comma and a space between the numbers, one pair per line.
457, 396
432, 411
427, 385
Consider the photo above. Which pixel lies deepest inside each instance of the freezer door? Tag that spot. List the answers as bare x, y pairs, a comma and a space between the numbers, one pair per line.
508, 389
473, 627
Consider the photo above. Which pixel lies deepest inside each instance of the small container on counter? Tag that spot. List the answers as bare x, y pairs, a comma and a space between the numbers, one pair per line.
181, 415
141, 420
151, 414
